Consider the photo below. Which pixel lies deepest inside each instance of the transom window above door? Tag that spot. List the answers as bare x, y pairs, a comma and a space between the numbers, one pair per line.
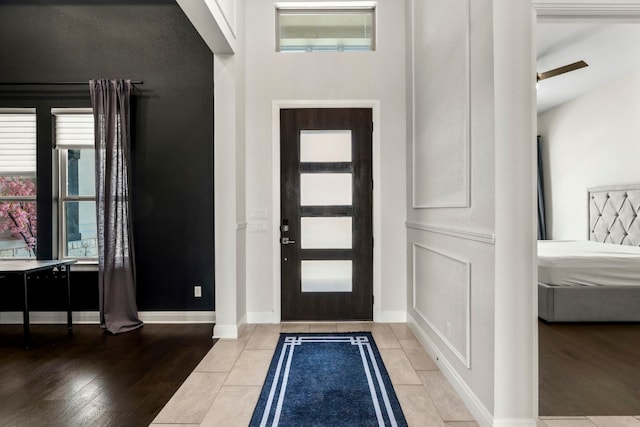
325, 26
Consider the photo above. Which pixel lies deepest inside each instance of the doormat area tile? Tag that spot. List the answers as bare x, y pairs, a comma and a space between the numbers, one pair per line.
327, 379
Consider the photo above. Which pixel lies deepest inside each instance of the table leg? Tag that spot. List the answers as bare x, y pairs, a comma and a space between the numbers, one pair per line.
67, 269
25, 313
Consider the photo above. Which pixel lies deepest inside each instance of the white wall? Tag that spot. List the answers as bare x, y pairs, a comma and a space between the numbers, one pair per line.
588, 142
466, 302
451, 201
373, 76
485, 238
221, 25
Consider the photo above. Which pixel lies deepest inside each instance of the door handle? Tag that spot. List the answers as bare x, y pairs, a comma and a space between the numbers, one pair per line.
286, 241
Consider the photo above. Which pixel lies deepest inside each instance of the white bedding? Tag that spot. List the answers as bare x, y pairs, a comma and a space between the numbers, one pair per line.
586, 263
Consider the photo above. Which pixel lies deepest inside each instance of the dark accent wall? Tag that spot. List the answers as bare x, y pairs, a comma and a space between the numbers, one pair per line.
172, 137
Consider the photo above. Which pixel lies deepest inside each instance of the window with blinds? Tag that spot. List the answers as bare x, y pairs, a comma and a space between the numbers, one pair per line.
73, 128
18, 142
74, 141
18, 216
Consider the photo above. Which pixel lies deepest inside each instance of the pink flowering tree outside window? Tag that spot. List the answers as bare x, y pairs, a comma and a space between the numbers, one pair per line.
19, 217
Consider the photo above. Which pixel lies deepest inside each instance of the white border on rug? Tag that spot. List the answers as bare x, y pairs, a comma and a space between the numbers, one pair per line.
279, 385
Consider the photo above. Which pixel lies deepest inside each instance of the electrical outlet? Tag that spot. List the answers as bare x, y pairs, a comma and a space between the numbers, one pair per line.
197, 291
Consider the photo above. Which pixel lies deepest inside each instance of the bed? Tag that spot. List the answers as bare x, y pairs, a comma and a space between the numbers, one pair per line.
597, 280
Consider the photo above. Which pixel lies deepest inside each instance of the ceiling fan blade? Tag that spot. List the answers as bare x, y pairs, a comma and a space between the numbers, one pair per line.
562, 70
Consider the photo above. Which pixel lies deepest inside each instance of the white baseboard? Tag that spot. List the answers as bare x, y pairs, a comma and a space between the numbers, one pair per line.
225, 331
50, 317
387, 316
515, 422
243, 320
93, 317
482, 415
177, 316
260, 317
379, 316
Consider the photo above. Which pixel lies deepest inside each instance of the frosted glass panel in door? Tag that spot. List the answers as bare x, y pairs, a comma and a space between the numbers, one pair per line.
326, 233
326, 276
325, 189
325, 146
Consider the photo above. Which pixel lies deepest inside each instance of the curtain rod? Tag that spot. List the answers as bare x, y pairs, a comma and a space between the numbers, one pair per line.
135, 82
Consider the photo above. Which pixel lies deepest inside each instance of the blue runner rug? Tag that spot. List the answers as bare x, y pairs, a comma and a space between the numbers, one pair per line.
327, 379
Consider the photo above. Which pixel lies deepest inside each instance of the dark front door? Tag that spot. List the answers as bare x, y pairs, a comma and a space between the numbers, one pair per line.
326, 227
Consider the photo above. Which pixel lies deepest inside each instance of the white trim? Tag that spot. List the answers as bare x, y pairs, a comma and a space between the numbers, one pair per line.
209, 20
67, 111
473, 403
513, 422
6, 110
467, 234
467, 143
466, 357
388, 316
261, 317
552, 9
276, 106
177, 316
243, 320
514, 356
86, 265
93, 317
321, 5
50, 317
232, 26
225, 331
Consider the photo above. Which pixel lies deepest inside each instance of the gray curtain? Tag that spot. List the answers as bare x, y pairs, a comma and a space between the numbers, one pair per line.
542, 226
111, 109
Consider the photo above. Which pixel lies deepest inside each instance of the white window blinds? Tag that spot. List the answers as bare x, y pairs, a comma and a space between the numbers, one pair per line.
73, 128
18, 142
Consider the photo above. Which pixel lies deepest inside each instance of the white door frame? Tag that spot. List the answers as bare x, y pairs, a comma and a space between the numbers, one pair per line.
275, 187
552, 10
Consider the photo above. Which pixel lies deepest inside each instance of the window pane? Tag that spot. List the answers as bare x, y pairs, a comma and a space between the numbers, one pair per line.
73, 129
80, 230
326, 276
325, 30
81, 172
326, 233
325, 146
325, 189
18, 222
18, 143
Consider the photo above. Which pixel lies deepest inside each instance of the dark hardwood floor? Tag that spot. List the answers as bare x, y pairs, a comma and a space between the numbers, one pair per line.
93, 378
589, 369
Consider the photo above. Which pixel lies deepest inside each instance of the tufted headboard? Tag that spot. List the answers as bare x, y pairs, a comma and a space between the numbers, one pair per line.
613, 214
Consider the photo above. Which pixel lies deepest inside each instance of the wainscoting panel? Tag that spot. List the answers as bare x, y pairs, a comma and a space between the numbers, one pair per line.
441, 297
441, 110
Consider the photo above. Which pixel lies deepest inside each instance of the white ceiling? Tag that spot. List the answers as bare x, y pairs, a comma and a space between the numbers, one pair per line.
612, 51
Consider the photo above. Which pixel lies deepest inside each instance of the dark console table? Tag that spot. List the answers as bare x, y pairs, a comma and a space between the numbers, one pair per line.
26, 268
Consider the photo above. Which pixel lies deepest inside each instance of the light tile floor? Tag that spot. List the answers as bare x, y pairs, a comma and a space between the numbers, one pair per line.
589, 422
224, 388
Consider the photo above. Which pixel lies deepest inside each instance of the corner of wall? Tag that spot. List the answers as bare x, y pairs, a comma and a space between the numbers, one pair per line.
225, 331
215, 25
